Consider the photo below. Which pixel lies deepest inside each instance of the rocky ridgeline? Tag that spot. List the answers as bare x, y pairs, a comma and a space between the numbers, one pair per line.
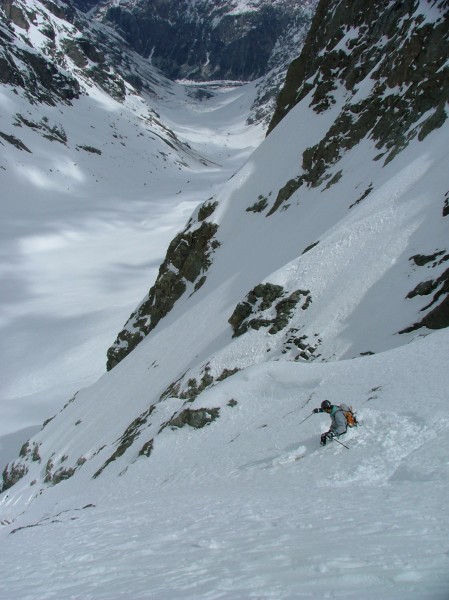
74, 51
397, 55
186, 262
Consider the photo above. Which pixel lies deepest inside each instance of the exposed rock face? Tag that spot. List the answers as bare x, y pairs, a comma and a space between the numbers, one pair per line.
186, 261
42, 80
194, 418
438, 317
399, 58
12, 473
72, 46
206, 40
267, 305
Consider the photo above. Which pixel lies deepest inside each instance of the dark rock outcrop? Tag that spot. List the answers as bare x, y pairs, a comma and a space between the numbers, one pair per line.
42, 80
12, 473
437, 316
187, 259
397, 58
267, 305
205, 40
196, 418
49, 74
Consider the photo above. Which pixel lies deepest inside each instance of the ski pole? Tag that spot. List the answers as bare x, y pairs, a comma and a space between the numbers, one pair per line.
305, 419
341, 443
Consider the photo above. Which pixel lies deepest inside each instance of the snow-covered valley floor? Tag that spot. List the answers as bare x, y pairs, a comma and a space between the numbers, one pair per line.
82, 236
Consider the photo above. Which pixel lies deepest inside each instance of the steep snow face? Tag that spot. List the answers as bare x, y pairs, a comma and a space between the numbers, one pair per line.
249, 505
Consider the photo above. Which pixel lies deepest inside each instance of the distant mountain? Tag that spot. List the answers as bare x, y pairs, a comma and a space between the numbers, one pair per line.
60, 48
204, 39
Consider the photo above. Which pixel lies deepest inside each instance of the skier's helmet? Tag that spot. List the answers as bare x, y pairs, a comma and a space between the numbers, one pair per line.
325, 404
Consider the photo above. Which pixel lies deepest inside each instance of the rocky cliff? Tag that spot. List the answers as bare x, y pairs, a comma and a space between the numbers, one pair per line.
206, 40
69, 49
398, 53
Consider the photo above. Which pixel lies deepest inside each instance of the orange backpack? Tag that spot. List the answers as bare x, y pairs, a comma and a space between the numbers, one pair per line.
351, 419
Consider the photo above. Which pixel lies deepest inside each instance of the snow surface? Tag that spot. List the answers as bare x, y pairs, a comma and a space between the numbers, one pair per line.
251, 506
245, 6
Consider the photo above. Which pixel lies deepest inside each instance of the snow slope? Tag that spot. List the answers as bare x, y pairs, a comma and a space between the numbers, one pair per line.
192, 469
251, 506
82, 231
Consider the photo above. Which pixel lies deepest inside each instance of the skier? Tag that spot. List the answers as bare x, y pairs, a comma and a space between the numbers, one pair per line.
339, 423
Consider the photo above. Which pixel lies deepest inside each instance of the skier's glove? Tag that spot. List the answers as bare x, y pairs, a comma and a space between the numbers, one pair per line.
316, 410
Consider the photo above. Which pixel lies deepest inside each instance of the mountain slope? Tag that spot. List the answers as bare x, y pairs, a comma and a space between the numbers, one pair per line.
230, 40
250, 505
330, 243
205, 40
289, 298
266, 271
348, 140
